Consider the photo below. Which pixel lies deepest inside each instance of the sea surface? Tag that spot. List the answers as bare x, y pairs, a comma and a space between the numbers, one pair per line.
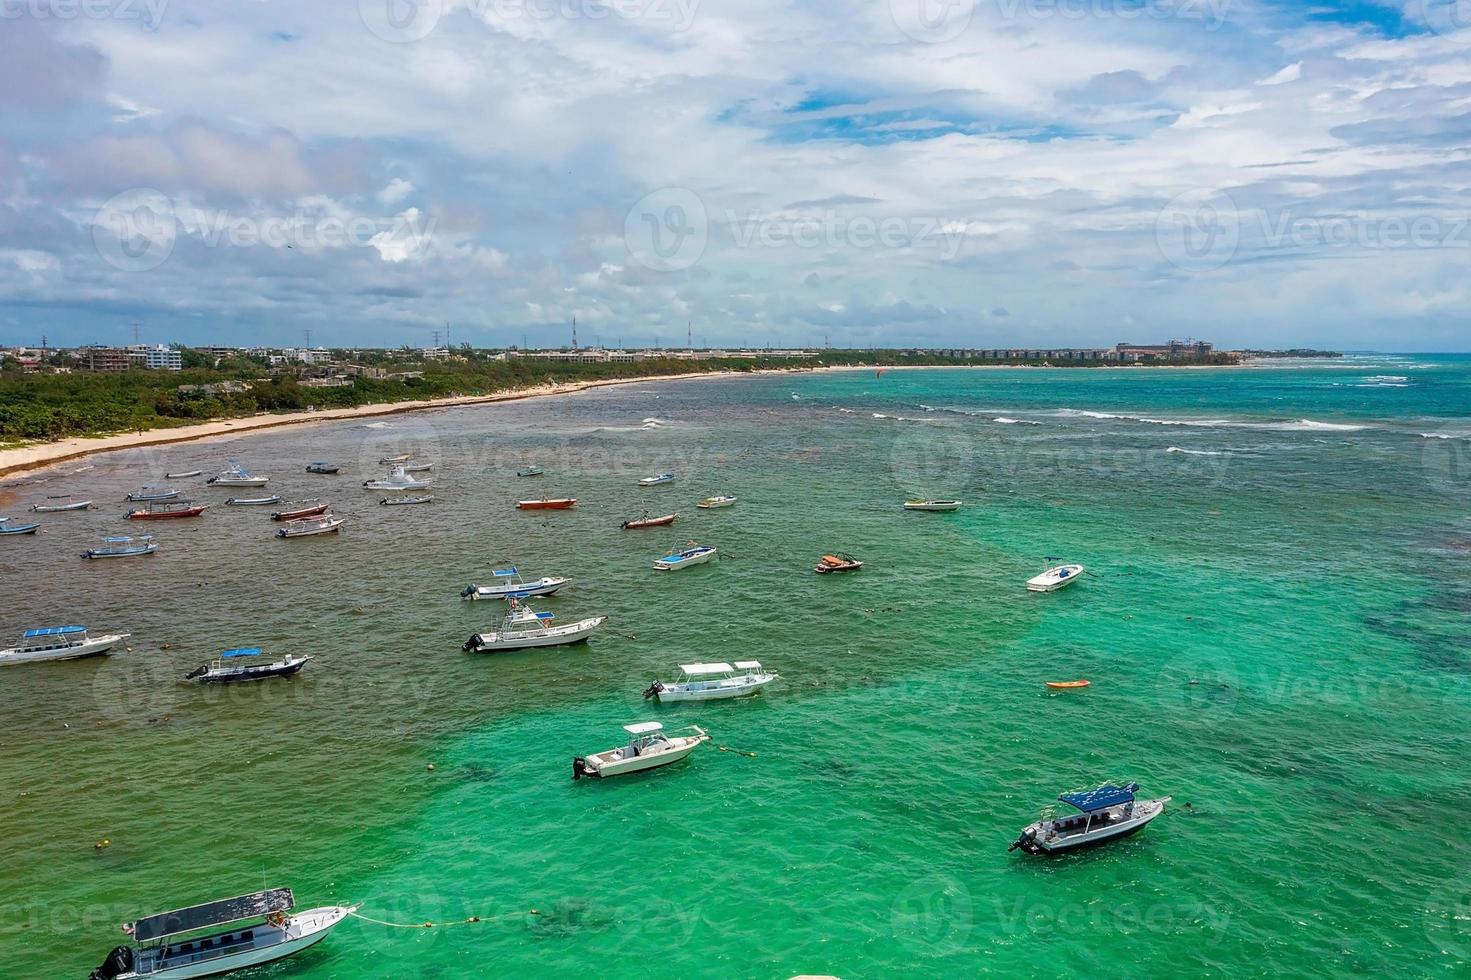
1275, 621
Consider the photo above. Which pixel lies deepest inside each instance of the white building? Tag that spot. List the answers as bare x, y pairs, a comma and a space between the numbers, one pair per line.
155, 357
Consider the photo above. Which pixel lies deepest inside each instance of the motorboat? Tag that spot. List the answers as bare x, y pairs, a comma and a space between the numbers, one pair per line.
1107, 813
405, 501
236, 475
166, 510
60, 508
524, 627
509, 582
59, 643
938, 506
8, 528
547, 503
397, 479
274, 498
307, 509
840, 562
1055, 578
712, 682
153, 493
184, 475
326, 523
323, 468
648, 748
713, 503
122, 546
397, 458
160, 951
418, 467
221, 672
654, 481
693, 554
530, 471
647, 521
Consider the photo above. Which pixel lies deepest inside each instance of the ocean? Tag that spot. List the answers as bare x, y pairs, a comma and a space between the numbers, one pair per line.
1274, 621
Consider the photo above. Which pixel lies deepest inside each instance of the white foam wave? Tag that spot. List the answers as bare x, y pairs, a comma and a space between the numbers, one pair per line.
1285, 425
376, 425
1194, 452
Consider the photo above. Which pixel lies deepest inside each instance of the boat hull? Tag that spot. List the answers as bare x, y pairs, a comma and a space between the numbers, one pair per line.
1145, 812
168, 515
307, 532
934, 507
639, 525
324, 470
19, 529
234, 675
252, 501
1050, 581
545, 504
495, 642
127, 553
386, 485
183, 476
238, 481
60, 508
301, 514
143, 498
404, 501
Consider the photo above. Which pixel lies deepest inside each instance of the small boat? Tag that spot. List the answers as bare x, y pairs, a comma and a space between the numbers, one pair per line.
648, 748
322, 524
307, 509
324, 468
183, 476
405, 501
274, 498
837, 563
524, 627
166, 510
694, 554
1107, 813
121, 546
512, 585
647, 521
236, 475
1054, 578
156, 954
712, 682
390, 460
654, 481
712, 503
531, 471
8, 528
59, 643
153, 493
1066, 685
418, 467
59, 508
397, 479
547, 503
218, 672
938, 506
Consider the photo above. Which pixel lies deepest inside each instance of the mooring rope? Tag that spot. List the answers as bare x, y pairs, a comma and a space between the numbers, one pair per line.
437, 925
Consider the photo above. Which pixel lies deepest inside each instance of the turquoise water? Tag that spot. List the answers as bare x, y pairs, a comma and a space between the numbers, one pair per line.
1302, 557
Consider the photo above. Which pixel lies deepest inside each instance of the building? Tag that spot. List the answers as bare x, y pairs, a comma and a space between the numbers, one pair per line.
155, 357
104, 358
1175, 350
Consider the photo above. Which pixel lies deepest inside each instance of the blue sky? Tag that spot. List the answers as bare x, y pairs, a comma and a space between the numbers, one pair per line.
930, 172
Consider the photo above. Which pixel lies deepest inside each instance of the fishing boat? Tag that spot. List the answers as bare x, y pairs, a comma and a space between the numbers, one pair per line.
397, 479
405, 501
390, 460
1107, 813
509, 582
654, 481
60, 508
166, 510
647, 521
938, 506
160, 950
547, 503
840, 562
236, 475
531, 471
183, 476
306, 509
324, 468
8, 528
325, 523
524, 627
712, 682
418, 467
122, 546
1054, 578
153, 493
713, 503
648, 748
219, 672
1066, 685
59, 643
693, 554
274, 498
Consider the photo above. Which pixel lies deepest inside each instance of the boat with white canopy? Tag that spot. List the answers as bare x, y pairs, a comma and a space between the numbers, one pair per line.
648, 748
712, 682
1054, 578
509, 582
1109, 812
164, 946
59, 643
236, 475
693, 554
524, 627
231, 667
122, 546
397, 479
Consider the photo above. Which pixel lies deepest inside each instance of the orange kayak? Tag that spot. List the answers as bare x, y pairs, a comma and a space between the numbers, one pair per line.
1067, 685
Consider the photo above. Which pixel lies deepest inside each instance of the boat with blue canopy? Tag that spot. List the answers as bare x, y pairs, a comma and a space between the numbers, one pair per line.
508, 581
232, 665
1105, 813
692, 554
524, 627
59, 643
8, 528
122, 546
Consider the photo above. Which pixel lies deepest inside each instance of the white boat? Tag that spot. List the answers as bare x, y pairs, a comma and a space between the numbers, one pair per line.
712, 503
1107, 813
524, 627
122, 546
712, 682
158, 950
694, 554
397, 479
183, 476
938, 506
153, 493
509, 582
405, 501
59, 508
648, 748
59, 643
418, 467
274, 498
221, 672
1055, 578
324, 524
236, 475
654, 481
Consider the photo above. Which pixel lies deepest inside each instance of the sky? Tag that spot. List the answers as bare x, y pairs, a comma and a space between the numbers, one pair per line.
755, 172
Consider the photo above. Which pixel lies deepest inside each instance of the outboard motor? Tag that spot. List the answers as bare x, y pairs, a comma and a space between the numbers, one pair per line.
579, 768
118, 962
654, 688
472, 644
196, 672
1025, 841
469, 591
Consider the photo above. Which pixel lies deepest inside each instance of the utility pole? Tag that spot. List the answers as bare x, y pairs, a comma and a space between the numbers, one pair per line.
436, 340
308, 332
574, 331
135, 332
689, 336
446, 334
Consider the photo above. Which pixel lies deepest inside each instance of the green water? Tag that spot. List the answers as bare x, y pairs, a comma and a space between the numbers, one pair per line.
1304, 564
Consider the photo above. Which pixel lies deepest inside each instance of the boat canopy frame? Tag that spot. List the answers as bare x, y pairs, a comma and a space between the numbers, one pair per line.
217, 913
1101, 798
